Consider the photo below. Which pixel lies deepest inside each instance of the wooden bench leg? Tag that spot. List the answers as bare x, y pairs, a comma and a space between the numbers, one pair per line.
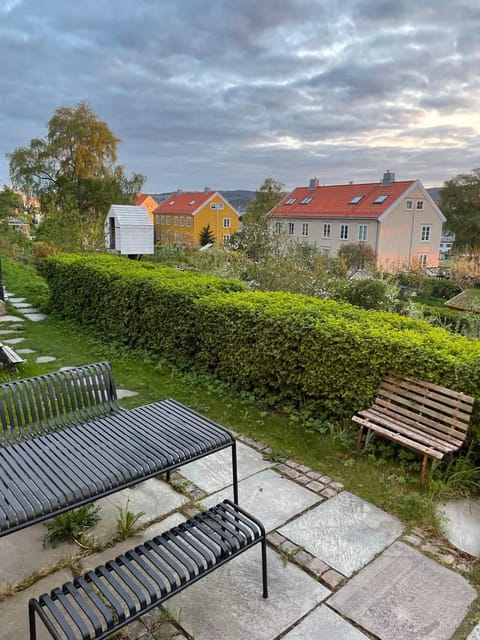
424, 470
359, 439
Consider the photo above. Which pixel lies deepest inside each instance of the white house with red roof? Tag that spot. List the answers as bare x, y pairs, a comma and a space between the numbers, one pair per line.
398, 219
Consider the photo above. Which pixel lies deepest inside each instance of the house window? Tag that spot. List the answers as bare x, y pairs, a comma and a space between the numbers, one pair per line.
290, 201
182, 221
408, 205
220, 206
291, 228
189, 222
167, 218
226, 237
419, 205
175, 221
278, 227
157, 219
227, 223
355, 200
344, 232
423, 258
305, 229
213, 205
162, 219
425, 232
327, 230
307, 200
362, 232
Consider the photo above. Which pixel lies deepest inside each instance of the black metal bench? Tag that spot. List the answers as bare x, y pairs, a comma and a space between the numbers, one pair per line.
65, 440
106, 599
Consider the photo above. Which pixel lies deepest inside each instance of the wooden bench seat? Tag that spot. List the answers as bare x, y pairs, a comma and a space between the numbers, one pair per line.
108, 598
65, 440
422, 416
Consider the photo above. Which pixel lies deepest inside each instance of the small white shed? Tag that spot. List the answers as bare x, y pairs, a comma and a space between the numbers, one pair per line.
129, 230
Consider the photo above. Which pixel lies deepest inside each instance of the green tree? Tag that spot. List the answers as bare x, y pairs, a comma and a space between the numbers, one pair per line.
10, 203
256, 239
357, 256
206, 236
73, 169
460, 203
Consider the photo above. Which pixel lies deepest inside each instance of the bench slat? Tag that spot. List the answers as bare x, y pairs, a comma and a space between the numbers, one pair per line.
443, 391
144, 577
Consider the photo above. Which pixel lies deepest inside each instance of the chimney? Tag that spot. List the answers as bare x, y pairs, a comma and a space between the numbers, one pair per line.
179, 191
313, 183
206, 190
388, 178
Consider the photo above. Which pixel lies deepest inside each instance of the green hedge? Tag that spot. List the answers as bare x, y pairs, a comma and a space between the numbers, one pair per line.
292, 348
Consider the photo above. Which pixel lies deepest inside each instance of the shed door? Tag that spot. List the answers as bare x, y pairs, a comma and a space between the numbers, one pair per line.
111, 231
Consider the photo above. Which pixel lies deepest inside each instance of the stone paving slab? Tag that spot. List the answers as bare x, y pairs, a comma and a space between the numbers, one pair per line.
461, 523
228, 603
475, 634
14, 299
154, 497
10, 318
346, 532
14, 610
8, 332
270, 497
214, 472
18, 303
14, 341
45, 359
35, 317
126, 393
403, 594
325, 624
25, 351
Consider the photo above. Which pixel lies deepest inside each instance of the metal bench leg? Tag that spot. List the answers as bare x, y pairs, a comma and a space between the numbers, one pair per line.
264, 567
31, 619
235, 472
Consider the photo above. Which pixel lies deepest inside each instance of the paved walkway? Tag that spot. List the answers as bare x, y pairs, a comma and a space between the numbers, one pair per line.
339, 567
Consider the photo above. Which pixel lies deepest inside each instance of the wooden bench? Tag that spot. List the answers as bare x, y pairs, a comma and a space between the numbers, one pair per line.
9, 358
419, 415
65, 441
108, 598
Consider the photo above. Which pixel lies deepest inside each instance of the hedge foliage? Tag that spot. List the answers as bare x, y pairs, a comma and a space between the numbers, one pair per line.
321, 354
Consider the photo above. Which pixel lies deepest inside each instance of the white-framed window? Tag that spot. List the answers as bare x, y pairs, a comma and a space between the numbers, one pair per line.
291, 228
182, 221
278, 227
227, 223
307, 200
189, 222
425, 232
343, 232
355, 199
167, 219
409, 205
220, 206
162, 219
304, 229
290, 201
327, 230
213, 205
157, 219
175, 221
226, 237
423, 259
362, 232
420, 204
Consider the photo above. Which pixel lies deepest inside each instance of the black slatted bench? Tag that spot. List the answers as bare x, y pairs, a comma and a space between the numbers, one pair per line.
65, 440
108, 598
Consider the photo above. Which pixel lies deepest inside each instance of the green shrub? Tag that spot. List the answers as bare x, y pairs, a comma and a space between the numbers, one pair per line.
369, 293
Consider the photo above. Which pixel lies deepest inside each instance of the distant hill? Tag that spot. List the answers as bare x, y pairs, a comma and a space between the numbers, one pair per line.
238, 198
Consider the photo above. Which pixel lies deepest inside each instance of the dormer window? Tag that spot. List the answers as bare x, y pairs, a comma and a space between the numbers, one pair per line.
307, 200
380, 199
291, 201
355, 200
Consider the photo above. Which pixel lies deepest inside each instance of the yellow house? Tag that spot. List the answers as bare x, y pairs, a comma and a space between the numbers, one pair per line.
185, 214
147, 202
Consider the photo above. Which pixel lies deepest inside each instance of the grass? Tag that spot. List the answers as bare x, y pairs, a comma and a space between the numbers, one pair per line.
468, 300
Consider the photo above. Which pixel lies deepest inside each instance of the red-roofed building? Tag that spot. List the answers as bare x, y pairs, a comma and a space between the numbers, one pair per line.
183, 215
147, 202
399, 220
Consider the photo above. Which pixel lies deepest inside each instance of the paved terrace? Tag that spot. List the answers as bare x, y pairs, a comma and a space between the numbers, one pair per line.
339, 567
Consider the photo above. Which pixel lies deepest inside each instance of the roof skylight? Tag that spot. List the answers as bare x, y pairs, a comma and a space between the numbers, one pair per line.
307, 200
355, 200
290, 201
380, 199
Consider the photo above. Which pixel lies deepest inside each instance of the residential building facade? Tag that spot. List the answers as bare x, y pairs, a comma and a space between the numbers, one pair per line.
184, 215
147, 202
397, 219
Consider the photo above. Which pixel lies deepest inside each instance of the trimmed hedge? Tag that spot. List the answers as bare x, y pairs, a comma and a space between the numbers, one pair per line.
321, 354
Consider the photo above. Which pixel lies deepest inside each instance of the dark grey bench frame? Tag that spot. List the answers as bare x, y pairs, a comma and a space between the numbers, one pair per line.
65, 441
111, 596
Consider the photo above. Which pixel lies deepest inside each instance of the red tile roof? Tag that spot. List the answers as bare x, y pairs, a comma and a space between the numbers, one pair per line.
185, 202
335, 201
141, 199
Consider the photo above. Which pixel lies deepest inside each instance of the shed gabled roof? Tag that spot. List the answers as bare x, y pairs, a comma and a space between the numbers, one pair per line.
127, 214
369, 200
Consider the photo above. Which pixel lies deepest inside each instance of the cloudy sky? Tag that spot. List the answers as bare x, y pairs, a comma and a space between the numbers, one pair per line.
226, 92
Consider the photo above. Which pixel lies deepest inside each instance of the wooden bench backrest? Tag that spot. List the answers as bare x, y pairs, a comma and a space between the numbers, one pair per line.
436, 410
56, 400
